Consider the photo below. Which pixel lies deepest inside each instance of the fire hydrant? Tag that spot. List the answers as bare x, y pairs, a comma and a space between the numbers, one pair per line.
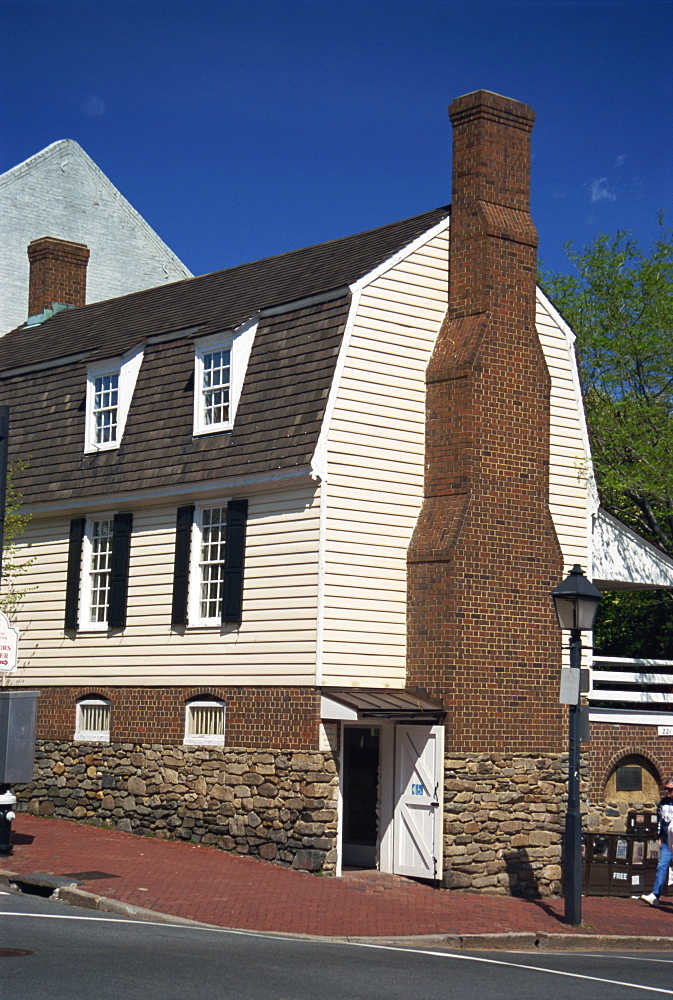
7, 814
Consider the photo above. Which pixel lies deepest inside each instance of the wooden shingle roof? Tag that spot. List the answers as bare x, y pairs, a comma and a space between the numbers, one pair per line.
213, 302
43, 374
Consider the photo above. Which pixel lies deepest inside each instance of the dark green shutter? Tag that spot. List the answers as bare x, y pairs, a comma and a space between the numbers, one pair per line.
183, 539
119, 570
77, 526
234, 557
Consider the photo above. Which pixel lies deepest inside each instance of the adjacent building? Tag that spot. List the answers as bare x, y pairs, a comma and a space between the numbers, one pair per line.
60, 192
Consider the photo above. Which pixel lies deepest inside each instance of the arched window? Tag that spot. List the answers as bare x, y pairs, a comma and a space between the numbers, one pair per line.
92, 721
204, 722
633, 779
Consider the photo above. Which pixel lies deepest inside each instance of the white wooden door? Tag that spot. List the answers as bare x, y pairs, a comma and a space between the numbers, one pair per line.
419, 778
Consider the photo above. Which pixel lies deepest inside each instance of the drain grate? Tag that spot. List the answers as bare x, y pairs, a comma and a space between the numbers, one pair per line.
88, 876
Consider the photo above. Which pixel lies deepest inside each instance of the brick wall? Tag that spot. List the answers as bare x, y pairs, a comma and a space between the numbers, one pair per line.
610, 743
256, 717
484, 557
57, 273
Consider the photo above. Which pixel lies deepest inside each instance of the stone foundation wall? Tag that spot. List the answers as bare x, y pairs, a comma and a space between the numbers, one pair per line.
503, 822
278, 805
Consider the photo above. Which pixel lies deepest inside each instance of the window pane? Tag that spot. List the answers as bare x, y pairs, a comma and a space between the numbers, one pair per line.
215, 388
106, 395
211, 562
99, 570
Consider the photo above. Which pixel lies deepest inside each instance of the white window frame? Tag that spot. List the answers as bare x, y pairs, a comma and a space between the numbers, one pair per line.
126, 369
195, 578
204, 739
92, 735
86, 575
239, 344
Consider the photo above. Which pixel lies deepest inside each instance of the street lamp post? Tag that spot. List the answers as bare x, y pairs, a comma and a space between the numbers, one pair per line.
576, 603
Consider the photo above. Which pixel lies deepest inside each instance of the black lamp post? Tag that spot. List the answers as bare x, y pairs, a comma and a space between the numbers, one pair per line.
576, 603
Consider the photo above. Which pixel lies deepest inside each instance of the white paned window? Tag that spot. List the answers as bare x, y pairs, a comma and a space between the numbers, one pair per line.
96, 567
210, 529
220, 364
93, 720
105, 409
110, 386
215, 387
204, 722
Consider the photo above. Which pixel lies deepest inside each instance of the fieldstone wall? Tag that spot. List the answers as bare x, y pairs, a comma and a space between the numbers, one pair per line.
504, 817
278, 805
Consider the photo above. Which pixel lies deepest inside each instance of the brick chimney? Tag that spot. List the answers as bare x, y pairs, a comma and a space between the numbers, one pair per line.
481, 632
57, 274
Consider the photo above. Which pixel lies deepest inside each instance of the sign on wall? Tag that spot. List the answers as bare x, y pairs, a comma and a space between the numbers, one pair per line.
9, 644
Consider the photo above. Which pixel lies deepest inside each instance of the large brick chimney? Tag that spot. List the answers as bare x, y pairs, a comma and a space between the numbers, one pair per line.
484, 556
57, 274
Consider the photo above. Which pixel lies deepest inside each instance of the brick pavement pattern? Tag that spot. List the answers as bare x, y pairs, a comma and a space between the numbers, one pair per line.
208, 885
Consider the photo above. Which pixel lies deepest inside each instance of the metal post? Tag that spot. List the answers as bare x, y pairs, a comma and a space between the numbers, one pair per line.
573, 826
4, 447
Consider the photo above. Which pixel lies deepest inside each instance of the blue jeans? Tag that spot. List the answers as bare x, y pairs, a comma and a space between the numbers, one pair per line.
665, 858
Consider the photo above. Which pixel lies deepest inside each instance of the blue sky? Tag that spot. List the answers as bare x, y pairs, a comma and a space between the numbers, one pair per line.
245, 128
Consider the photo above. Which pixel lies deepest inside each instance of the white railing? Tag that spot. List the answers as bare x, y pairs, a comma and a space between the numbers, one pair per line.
624, 689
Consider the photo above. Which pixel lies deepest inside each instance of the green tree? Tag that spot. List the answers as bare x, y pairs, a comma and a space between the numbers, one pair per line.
619, 302
15, 524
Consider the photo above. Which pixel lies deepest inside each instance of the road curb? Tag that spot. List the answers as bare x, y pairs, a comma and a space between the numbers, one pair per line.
67, 892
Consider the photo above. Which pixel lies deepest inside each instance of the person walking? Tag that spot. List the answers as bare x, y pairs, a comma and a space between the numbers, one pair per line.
665, 831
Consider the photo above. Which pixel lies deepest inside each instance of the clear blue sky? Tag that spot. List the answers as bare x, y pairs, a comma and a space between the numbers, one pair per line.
245, 128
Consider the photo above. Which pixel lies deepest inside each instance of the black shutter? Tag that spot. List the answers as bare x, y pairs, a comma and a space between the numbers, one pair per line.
119, 570
183, 539
77, 526
234, 557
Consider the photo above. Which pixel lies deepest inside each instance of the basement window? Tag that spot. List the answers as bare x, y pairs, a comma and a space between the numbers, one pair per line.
93, 720
204, 722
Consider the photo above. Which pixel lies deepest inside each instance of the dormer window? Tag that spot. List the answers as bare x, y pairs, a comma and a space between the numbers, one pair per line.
109, 391
220, 364
105, 409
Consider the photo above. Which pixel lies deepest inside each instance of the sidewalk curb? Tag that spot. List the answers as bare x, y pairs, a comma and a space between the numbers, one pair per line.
508, 941
522, 941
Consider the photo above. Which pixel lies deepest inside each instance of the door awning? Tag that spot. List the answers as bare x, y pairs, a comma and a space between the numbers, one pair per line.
352, 704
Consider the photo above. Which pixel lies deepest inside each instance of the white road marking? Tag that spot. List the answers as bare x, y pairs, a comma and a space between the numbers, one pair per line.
356, 944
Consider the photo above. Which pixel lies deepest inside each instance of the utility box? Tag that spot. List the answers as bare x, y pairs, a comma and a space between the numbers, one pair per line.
18, 714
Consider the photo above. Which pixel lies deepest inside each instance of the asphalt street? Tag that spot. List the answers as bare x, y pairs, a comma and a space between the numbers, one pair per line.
50, 951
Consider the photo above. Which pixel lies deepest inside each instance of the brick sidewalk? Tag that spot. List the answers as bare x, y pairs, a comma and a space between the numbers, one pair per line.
211, 886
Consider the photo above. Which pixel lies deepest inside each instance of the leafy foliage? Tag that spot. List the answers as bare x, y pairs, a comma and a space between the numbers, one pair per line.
15, 524
620, 305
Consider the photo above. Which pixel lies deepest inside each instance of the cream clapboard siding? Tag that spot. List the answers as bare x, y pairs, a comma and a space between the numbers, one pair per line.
375, 470
276, 643
568, 490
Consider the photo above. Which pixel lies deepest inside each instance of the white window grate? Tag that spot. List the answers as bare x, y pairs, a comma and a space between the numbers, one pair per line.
204, 723
93, 720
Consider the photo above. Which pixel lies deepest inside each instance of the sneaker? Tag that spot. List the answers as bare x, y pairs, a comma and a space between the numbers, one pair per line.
651, 899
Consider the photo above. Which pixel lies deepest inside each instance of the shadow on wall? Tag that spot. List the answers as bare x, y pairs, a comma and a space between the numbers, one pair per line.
522, 881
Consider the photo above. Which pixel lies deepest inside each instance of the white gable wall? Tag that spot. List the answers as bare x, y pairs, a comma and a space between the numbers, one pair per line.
375, 465
61, 192
572, 495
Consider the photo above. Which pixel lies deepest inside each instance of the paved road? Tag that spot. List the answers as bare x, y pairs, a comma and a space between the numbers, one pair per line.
69, 952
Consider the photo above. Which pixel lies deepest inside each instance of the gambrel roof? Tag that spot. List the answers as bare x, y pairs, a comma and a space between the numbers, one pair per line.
302, 300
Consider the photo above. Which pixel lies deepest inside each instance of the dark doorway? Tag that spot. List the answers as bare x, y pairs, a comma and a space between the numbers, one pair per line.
360, 795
